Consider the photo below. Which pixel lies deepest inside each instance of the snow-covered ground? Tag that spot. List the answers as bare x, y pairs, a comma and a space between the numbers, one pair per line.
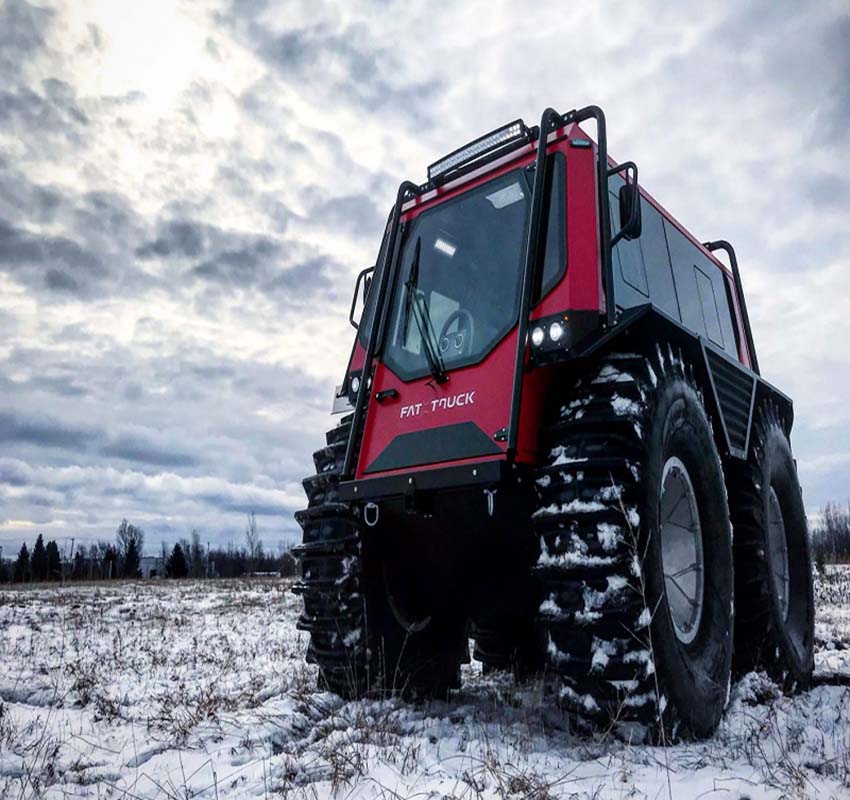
199, 689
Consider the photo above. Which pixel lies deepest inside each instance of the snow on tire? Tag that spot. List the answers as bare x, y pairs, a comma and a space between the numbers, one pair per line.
633, 489
330, 585
357, 639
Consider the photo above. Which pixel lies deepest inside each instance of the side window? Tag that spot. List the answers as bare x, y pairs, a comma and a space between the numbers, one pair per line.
555, 259
657, 261
703, 299
682, 254
708, 302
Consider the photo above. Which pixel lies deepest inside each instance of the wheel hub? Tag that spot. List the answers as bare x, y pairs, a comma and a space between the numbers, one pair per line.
681, 550
777, 546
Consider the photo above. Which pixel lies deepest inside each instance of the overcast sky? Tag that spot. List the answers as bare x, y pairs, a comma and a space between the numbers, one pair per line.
187, 192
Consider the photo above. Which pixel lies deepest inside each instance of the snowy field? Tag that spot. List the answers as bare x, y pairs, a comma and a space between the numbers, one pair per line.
192, 689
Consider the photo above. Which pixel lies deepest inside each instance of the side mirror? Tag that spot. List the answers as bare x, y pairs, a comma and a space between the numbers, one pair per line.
630, 210
364, 278
629, 197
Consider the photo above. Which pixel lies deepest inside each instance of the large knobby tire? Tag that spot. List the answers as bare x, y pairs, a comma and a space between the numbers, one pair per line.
774, 594
629, 433
414, 652
359, 639
331, 581
508, 641
693, 660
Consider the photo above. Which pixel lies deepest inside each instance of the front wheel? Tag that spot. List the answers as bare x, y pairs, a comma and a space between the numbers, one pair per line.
362, 637
636, 551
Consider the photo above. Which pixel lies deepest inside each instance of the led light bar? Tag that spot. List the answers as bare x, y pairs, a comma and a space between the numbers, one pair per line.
513, 132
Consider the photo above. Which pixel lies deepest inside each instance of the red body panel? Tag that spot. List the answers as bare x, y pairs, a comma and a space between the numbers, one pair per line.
582, 286
358, 356
490, 381
481, 393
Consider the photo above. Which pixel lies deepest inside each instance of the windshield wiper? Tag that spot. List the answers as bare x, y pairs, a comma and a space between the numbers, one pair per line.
410, 287
415, 303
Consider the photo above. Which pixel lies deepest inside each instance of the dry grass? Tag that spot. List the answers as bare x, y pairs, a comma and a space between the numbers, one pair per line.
168, 690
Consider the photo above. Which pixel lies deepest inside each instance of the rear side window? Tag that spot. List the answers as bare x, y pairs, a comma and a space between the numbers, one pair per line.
708, 302
701, 289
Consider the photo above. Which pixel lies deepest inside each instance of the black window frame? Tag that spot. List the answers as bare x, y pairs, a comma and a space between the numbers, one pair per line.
408, 376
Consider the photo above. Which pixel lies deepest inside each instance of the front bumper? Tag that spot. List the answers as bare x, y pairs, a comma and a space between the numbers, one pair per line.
481, 474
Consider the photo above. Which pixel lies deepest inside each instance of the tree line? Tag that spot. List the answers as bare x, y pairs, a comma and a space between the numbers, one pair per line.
101, 560
831, 536
188, 558
104, 560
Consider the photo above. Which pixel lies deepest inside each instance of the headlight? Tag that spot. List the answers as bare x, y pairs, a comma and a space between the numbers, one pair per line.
537, 337
556, 331
355, 384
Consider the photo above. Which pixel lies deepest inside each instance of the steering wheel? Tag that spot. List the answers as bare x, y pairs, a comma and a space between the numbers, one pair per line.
458, 343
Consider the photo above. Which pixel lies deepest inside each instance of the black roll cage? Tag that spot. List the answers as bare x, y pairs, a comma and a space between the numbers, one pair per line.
364, 277
722, 244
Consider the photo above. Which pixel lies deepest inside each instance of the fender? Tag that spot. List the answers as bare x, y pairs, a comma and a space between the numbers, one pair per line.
732, 391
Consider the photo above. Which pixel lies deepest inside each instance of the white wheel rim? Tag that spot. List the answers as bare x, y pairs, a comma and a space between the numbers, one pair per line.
681, 550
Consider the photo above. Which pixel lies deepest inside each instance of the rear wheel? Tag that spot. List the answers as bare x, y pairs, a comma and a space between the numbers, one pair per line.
774, 595
635, 550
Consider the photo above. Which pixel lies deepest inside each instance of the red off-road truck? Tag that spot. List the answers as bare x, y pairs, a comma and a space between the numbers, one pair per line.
559, 445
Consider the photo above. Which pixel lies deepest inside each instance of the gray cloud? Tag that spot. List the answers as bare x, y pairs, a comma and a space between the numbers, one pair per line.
240, 265
54, 262
176, 238
52, 114
351, 59
176, 256
344, 63
145, 447
829, 190
356, 214
22, 29
44, 431
14, 473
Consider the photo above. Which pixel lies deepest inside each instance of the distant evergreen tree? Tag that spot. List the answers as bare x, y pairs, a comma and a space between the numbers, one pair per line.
109, 562
22, 565
177, 567
38, 560
54, 562
4, 572
132, 560
79, 569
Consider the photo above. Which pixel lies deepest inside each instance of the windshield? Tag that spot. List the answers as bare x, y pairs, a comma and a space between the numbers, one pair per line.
457, 293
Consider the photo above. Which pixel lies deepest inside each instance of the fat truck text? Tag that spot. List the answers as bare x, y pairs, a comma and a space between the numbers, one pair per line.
440, 404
